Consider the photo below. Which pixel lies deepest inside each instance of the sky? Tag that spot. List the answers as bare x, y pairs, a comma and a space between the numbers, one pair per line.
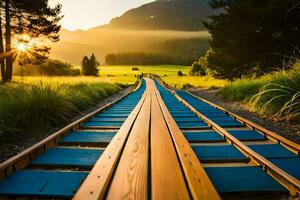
85, 14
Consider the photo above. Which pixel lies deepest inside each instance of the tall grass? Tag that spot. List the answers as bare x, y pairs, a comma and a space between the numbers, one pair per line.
280, 97
276, 94
28, 108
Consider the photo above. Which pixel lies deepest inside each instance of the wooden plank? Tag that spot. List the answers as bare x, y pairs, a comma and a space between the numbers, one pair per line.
294, 146
167, 180
96, 184
199, 184
130, 180
291, 183
22, 159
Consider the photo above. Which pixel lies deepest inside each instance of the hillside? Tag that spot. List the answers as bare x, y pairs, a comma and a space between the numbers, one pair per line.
165, 14
73, 45
143, 29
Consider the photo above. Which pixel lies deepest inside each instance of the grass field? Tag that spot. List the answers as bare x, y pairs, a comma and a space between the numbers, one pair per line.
125, 75
168, 73
34, 104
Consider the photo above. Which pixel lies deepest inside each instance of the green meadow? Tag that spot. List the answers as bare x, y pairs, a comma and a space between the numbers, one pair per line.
125, 74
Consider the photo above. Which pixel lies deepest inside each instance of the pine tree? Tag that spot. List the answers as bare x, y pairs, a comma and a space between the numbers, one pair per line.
85, 65
34, 18
90, 66
253, 36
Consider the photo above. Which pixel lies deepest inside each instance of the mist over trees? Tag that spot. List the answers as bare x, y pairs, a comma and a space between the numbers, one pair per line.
34, 18
175, 51
253, 36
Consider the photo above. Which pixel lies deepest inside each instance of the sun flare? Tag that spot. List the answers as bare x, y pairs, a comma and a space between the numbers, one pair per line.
21, 47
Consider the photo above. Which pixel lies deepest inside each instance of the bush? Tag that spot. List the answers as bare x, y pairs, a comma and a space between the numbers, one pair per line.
243, 89
135, 69
179, 73
57, 68
186, 86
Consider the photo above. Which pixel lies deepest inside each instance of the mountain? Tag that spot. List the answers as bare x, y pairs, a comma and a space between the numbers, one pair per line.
142, 29
165, 14
73, 45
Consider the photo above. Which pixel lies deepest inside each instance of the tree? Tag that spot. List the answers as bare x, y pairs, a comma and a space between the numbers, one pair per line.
2, 64
253, 36
90, 66
179, 73
199, 68
34, 18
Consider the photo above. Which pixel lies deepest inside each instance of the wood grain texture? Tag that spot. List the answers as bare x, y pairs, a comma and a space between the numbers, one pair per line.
167, 179
96, 184
130, 180
199, 184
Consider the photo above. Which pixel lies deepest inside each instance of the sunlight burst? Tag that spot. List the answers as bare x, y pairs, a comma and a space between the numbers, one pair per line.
21, 47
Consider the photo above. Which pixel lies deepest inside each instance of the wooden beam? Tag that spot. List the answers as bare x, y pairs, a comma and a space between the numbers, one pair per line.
96, 184
167, 179
130, 180
199, 184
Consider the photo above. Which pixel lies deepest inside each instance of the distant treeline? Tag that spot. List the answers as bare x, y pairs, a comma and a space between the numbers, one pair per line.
138, 58
177, 52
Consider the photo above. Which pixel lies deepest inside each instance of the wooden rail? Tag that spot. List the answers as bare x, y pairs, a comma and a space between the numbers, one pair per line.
197, 179
96, 184
130, 180
143, 166
271, 135
291, 183
167, 179
22, 159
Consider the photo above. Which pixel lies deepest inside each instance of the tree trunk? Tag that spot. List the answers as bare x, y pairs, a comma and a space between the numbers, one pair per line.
2, 64
9, 58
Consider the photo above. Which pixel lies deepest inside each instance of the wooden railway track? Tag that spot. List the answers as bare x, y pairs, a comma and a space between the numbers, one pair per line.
46, 169
155, 143
262, 151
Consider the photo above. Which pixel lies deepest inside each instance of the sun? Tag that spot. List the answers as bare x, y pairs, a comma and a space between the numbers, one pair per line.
21, 47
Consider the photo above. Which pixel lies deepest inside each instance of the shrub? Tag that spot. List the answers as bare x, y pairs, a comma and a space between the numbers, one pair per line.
242, 90
186, 86
179, 73
135, 69
57, 68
